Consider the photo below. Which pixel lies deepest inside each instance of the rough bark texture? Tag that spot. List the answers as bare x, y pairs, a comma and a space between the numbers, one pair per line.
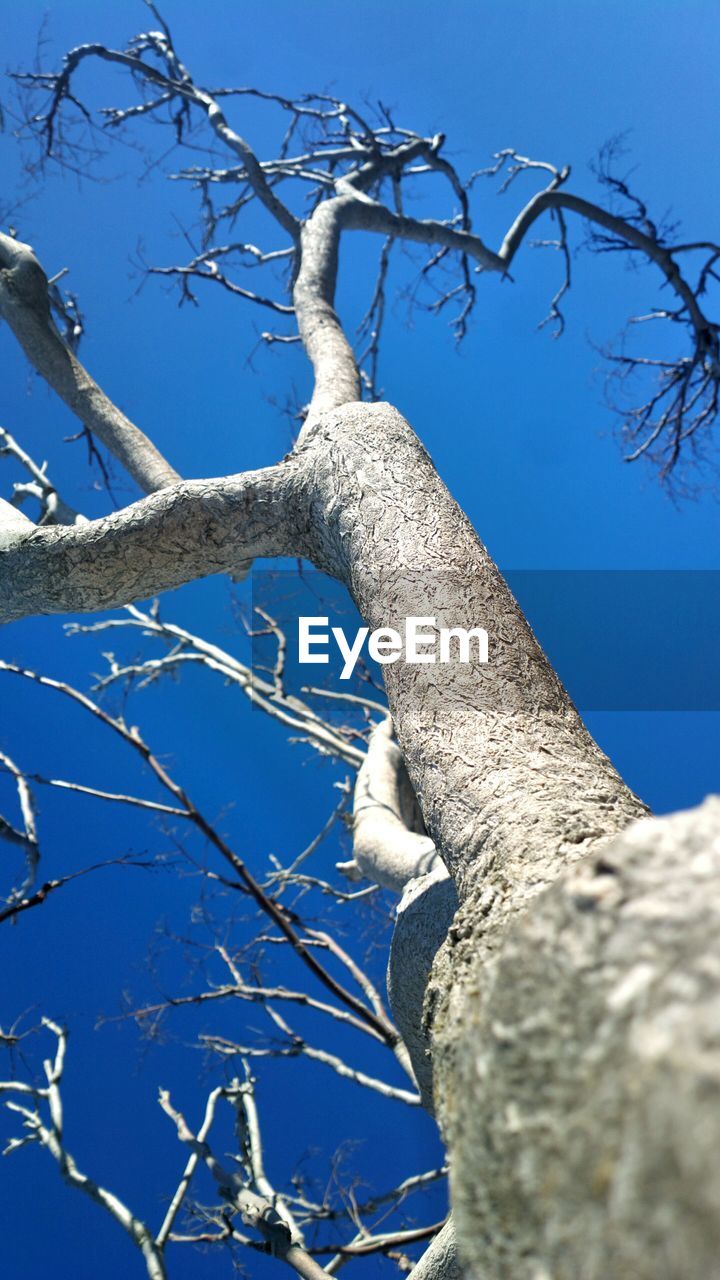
187, 531
572, 1013
578, 1068
440, 1260
507, 777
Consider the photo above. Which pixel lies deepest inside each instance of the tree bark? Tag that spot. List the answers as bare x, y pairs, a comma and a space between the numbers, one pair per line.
573, 1029
566, 1029
25, 307
186, 531
577, 1067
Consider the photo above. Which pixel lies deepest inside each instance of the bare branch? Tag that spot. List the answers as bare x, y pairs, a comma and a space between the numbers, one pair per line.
350, 162
54, 510
50, 1136
186, 531
384, 848
187, 647
28, 837
18, 905
256, 1210
178, 83
297, 1046
281, 916
24, 305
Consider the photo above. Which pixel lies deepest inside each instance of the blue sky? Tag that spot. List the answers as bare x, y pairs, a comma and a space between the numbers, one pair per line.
515, 422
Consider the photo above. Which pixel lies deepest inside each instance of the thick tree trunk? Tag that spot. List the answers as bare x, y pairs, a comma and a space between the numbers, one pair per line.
570, 1034
510, 783
582, 1132
572, 1013
577, 1067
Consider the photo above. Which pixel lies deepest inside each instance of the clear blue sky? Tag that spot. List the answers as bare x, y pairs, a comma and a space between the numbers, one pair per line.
517, 427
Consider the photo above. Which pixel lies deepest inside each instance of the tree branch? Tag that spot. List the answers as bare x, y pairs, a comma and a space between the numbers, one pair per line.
24, 305
188, 531
51, 1136
54, 509
385, 847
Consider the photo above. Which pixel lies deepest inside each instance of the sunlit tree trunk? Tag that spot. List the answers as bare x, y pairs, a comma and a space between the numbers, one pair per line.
555, 969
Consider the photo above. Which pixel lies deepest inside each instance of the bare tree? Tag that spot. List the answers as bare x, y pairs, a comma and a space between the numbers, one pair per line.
293, 1222
562, 1019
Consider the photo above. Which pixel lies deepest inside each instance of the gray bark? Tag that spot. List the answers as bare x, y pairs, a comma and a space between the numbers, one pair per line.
571, 1014
25, 308
579, 1084
424, 916
388, 848
440, 1260
183, 532
491, 751
503, 768
391, 848
512, 791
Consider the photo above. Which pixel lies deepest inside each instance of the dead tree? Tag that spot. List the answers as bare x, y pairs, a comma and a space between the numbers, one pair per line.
567, 1033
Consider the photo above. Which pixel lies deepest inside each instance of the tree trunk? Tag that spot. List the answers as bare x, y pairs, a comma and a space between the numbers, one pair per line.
571, 1028
574, 1029
577, 1066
